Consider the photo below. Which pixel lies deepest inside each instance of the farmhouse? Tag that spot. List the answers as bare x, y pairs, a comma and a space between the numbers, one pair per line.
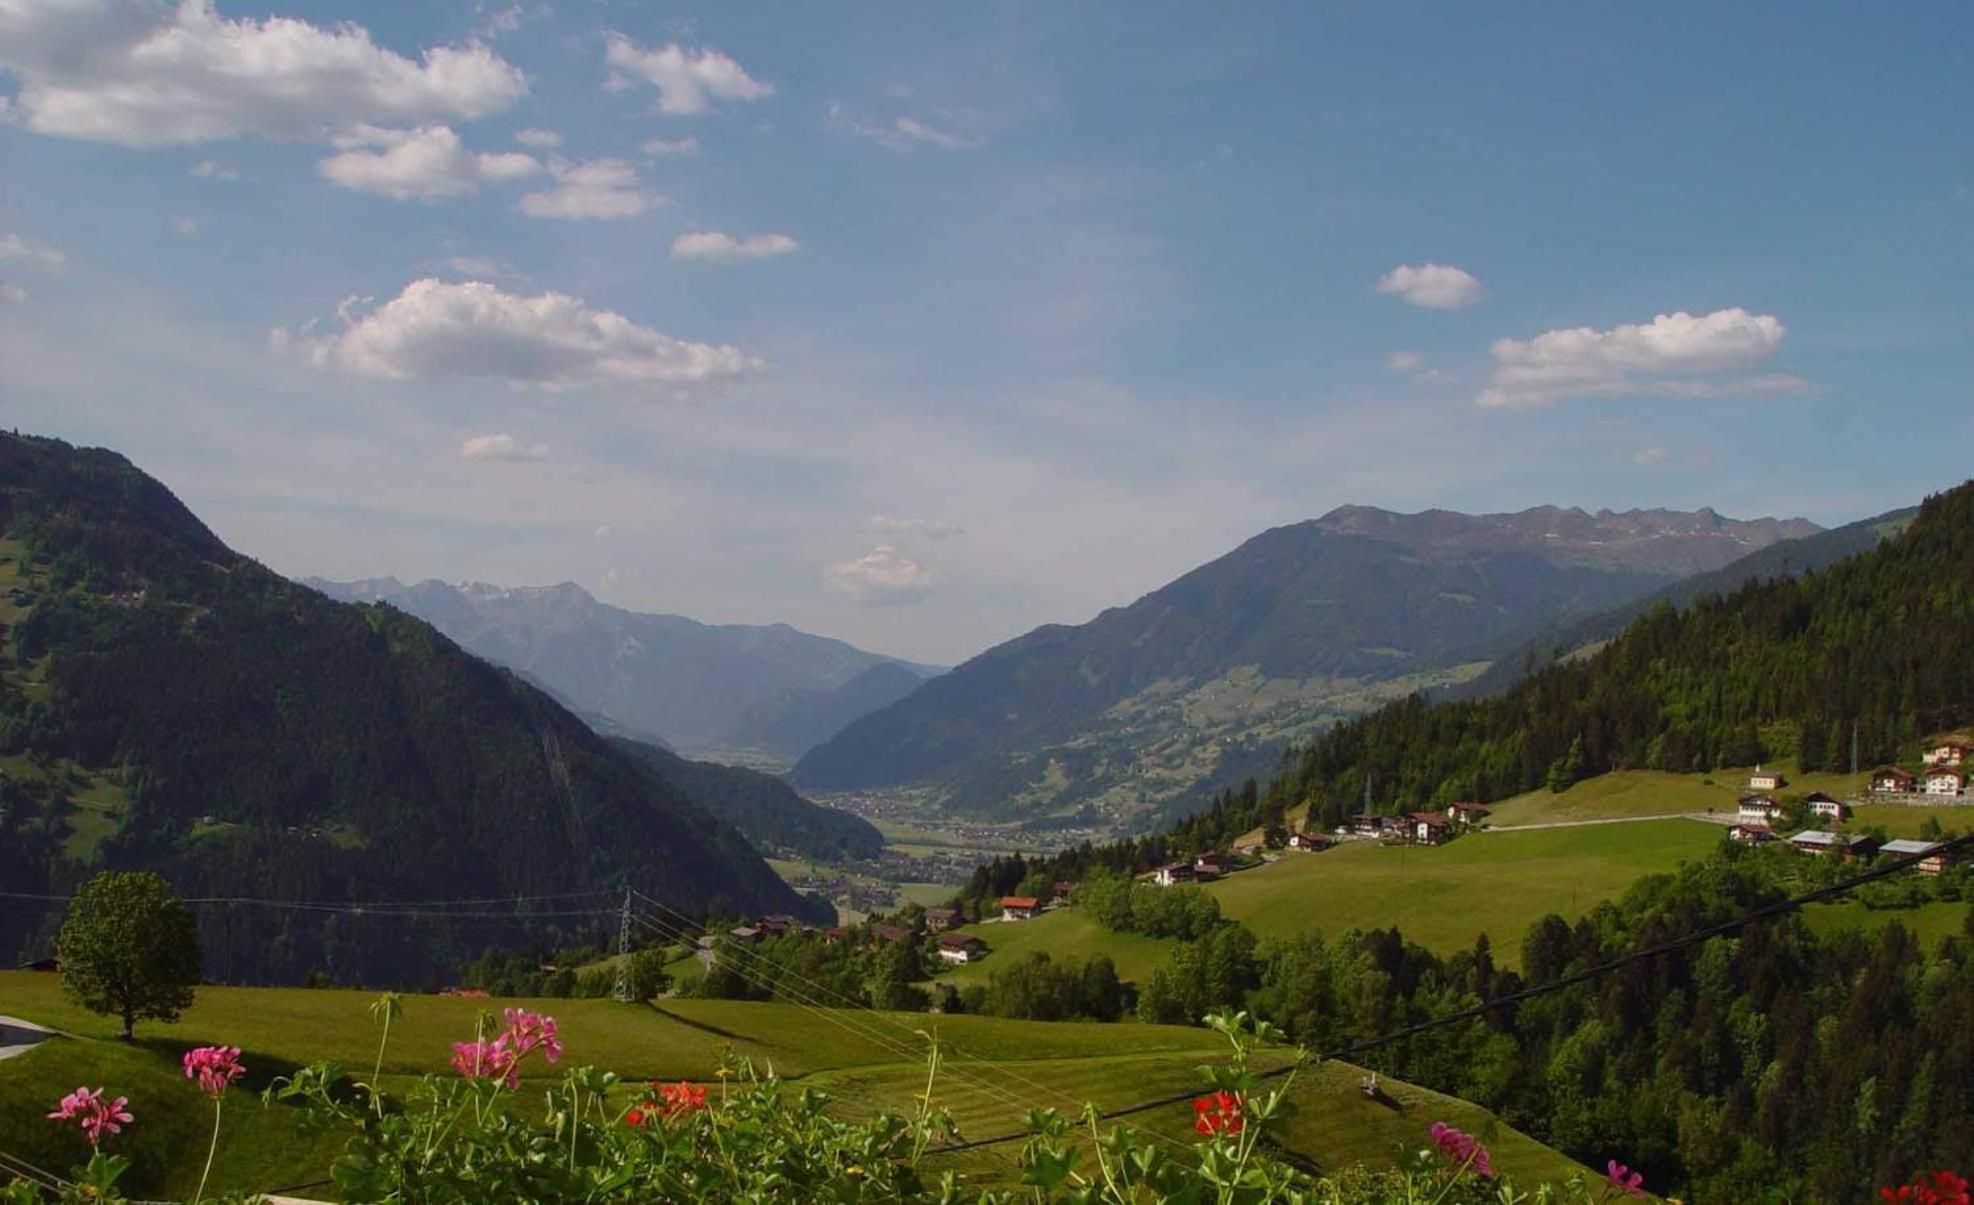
1758, 809
744, 933
1466, 813
1212, 865
1766, 780
1371, 826
891, 933
1943, 783
1428, 828
1892, 781
1310, 840
1825, 807
1751, 834
938, 920
1820, 843
1174, 873
960, 948
1948, 753
1019, 907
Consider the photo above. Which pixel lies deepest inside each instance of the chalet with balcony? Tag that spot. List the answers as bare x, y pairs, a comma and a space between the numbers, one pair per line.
1019, 907
961, 948
1758, 809
1893, 781
1948, 753
1943, 783
1428, 828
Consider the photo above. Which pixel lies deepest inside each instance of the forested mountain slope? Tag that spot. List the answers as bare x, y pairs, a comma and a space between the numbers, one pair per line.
766, 810
765, 689
167, 703
1784, 558
1877, 643
1125, 716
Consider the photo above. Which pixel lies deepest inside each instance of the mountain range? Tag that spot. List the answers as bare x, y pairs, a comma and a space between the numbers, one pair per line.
1124, 719
756, 692
168, 704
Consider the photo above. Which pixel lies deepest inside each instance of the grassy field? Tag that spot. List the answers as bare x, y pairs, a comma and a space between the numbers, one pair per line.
996, 1071
1063, 933
1443, 897
1652, 793
1933, 922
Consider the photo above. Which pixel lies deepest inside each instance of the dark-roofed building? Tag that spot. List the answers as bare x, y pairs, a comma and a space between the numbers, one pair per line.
960, 948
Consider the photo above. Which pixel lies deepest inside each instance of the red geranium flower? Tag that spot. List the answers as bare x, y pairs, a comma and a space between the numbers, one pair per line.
1220, 1113
682, 1098
1941, 1187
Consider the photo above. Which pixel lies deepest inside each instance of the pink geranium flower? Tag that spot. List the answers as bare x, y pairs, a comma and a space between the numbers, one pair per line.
500, 1059
528, 1032
1624, 1179
1463, 1150
214, 1067
96, 1117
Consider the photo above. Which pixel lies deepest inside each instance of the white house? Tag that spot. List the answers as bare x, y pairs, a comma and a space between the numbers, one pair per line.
1948, 753
1823, 807
1892, 781
1945, 783
1758, 809
1175, 873
1766, 780
960, 948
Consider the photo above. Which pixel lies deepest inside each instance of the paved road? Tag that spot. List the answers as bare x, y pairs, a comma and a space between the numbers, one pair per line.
18, 1036
1709, 817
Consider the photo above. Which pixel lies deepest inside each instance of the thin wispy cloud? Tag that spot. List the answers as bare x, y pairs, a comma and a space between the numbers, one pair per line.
882, 577
688, 81
710, 246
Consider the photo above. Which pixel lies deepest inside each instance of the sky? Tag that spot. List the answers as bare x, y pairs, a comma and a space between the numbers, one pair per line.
921, 326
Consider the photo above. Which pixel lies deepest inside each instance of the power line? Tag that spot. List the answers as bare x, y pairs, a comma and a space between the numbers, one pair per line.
1763, 913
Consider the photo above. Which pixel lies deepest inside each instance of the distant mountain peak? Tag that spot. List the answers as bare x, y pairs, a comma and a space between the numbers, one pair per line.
1653, 540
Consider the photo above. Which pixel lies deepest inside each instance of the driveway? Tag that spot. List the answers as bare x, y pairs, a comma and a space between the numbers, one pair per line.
18, 1036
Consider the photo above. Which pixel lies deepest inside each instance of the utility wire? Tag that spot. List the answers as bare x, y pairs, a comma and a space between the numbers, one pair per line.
1765, 912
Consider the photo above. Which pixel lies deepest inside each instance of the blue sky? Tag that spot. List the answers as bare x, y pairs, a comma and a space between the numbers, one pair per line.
921, 327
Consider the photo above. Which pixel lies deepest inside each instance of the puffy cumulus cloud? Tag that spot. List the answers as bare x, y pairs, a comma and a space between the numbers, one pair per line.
1674, 355
1433, 286
15, 249
688, 81
656, 147
140, 73
500, 446
933, 529
902, 133
881, 577
471, 329
710, 246
592, 189
425, 164
539, 139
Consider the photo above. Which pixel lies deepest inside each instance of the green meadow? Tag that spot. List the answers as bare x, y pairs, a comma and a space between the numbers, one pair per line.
995, 1071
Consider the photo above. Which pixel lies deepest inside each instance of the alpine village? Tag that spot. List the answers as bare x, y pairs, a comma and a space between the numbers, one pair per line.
1321, 605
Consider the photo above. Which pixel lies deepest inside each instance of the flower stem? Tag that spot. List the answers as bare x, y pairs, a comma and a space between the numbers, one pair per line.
212, 1150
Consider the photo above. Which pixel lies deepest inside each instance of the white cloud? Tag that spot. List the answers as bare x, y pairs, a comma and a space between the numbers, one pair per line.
12, 294
710, 246
501, 446
901, 133
933, 529
594, 188
688, 81
15, 248
881, 577
1654, 455
147, 74
481, 267
1414, 365
471, 329
540, 139
185, 226
1433, 286
206, 169
1676, 355
670, 146
425, 164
